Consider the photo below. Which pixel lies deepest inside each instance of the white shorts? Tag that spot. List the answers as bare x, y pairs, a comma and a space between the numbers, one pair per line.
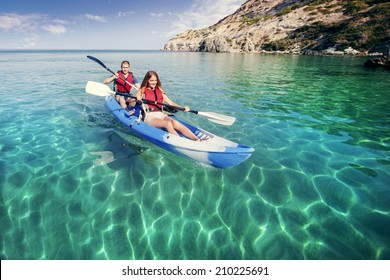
154, 115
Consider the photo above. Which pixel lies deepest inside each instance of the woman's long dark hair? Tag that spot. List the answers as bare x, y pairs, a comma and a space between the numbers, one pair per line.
148, 75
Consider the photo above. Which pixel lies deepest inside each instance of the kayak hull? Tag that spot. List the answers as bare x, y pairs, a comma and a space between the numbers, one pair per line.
215, 151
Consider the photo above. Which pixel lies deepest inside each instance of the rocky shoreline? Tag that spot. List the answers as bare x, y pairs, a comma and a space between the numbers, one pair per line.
330, 51
381, 62
381, 59
321, 27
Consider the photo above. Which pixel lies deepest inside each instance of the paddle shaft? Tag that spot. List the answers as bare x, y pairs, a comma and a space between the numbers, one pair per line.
155, 102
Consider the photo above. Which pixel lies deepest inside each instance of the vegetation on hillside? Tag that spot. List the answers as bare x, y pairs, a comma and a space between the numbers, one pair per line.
369, 26
363, 25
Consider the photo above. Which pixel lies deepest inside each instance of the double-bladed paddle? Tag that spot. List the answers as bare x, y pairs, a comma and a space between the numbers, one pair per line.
100, 89
103, 90
101, 63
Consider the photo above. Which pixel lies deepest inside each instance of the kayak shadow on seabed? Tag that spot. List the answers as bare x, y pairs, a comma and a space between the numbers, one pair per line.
123, 149
117, 152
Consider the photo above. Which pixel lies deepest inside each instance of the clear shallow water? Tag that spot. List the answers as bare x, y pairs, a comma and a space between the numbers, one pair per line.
74, 185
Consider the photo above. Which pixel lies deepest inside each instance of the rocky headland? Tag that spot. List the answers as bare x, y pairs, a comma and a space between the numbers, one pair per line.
308, 27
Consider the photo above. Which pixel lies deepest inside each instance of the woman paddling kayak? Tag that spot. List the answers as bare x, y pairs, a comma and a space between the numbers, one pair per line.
151, 89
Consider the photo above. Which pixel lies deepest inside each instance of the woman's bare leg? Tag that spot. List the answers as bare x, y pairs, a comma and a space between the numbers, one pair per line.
172, 125
163, 123
183, 129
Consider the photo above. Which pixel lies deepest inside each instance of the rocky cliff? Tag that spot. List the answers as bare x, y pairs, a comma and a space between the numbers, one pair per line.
294, 26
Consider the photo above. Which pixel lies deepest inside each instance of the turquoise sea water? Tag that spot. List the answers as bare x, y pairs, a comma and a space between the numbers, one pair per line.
74, 185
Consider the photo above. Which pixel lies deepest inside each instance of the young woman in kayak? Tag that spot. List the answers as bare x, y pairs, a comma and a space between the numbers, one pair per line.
151, 90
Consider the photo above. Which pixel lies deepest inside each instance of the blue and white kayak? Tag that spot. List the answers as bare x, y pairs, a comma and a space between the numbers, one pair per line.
215, 151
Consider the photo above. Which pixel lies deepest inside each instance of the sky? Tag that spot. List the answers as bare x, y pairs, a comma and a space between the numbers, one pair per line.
104, 24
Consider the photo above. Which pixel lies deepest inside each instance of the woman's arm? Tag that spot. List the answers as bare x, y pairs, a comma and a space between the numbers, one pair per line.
170, 102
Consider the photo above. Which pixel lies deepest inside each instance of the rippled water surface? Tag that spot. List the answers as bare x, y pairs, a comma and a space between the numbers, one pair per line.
75, 185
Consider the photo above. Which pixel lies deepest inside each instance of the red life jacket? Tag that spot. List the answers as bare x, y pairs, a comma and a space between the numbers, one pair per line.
121, 85
155, 95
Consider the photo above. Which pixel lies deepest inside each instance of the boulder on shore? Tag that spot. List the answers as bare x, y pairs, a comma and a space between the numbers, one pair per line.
383, 61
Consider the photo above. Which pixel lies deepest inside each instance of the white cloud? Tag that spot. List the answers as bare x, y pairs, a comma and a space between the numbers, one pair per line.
31, 23
30, 42
204, 13
23, 31
60, 21
8, 22
54, 29
124, 14
16, 22
95, 18
156, 14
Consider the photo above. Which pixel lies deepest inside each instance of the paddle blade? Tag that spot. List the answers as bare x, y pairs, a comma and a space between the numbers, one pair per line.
218, 118
98, 89
96, 60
